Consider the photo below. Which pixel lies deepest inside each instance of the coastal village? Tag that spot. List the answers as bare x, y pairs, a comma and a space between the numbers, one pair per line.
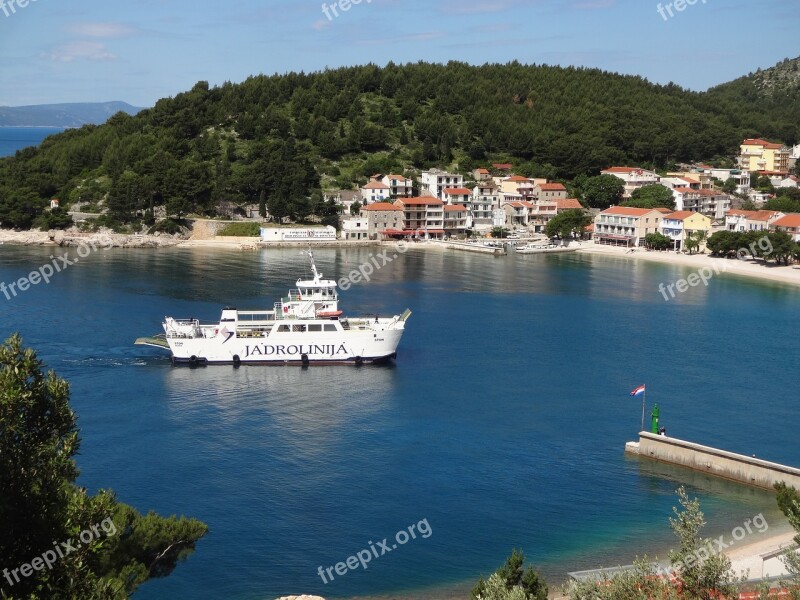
452, 205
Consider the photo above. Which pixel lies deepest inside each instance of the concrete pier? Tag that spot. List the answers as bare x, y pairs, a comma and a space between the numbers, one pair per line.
720, 463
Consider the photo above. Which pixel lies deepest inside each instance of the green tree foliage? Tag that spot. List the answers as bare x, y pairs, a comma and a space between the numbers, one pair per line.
767, 245
40, 503
658, 241
567, 223
700, 573
511, 582
652, 196
56, 218
602, 191
789, 503
278, 133
787, 200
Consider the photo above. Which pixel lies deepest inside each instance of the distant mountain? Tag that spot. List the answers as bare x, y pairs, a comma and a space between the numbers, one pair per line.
63, 115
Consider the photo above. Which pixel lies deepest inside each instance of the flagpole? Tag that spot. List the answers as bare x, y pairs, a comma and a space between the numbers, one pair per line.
644, 399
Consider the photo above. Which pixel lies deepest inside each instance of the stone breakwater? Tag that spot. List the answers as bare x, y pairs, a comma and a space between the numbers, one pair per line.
76, 238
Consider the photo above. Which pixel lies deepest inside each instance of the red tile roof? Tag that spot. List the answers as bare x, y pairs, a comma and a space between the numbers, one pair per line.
760, 142
452, 207
517, 178
567, 203
552, 187
627, 211
753, 215
398, 177
790, 220
421, 200
503, 166
381, 206
663, 210
482, 170
375, 185
679, 215
621, 169
458, 191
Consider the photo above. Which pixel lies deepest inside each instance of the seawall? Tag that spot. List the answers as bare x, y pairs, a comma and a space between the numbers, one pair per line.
720, 463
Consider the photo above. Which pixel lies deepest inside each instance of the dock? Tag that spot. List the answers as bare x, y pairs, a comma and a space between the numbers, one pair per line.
719, 463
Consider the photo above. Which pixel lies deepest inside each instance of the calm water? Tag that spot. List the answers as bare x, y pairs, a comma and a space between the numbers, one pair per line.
17, 138
503, 422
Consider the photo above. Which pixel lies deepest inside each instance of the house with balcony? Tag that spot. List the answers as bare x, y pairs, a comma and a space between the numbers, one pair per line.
541, 213
399, 186
384, 220
460, 195
790, 223
423, 217
761, 155
679, 225
375, 191
481, 206
633, 178
455, 219
517, 214
751, 220
711, 203
626, 226
435, 182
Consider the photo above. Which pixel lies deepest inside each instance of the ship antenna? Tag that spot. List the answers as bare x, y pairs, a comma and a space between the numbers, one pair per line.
317, 275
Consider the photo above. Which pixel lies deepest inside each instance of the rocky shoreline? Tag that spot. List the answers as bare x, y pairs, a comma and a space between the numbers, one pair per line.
72, 238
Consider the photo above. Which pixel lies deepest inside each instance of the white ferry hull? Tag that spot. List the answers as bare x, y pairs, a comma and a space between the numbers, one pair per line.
289, 348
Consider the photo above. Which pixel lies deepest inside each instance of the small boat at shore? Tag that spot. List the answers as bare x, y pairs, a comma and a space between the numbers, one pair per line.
305, 327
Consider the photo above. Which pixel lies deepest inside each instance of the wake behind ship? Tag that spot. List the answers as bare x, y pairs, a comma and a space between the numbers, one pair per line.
303, 328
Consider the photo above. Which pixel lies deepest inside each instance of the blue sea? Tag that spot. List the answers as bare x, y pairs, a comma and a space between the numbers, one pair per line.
502, 424
17, 138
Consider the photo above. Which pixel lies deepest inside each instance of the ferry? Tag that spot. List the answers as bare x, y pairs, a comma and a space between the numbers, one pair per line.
305, 327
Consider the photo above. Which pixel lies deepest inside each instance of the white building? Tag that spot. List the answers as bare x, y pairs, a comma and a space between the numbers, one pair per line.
399, 186
375, 191
435, 182
355, 228
633, 178
484, 201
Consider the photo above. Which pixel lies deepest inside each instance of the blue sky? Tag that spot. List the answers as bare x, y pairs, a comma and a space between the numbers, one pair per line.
142, 50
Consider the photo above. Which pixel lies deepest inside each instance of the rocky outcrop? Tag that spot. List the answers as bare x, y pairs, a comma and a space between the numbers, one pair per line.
303, 597
74, 238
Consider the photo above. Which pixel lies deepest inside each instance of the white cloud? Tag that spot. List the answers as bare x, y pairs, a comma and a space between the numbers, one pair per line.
80, 50
102, 30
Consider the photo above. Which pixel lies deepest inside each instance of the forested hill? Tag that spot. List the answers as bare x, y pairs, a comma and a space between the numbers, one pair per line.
281, 137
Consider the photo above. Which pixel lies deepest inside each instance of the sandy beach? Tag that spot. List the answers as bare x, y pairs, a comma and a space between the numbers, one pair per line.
747, 268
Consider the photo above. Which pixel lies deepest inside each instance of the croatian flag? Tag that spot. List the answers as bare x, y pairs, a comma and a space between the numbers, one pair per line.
638, 391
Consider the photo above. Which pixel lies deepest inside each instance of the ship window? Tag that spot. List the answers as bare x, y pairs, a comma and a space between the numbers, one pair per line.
330, 327
298, 328
283, 328
315, 327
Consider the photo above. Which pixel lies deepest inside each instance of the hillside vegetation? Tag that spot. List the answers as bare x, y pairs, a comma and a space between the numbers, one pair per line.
280, 139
